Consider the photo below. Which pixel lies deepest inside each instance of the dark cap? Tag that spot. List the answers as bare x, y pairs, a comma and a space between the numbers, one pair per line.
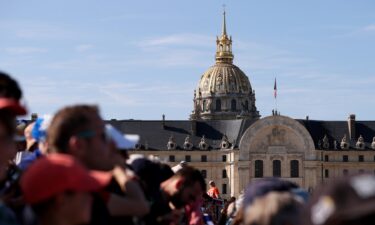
345, 200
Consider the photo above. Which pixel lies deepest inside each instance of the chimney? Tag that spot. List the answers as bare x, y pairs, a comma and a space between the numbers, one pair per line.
193, 127
307, 118
163, 121
351, 126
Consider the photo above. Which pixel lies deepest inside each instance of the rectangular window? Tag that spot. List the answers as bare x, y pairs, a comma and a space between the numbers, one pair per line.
172, 158
224, 159
204, 173
345, 158
345, 172
187, 158
361, 158
326, 173
224, 191
276, 168
326, 158
224, 174
294, 168
204, 158
258, 169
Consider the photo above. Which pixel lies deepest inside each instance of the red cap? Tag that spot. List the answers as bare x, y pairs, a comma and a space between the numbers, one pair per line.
57, 173
12, 105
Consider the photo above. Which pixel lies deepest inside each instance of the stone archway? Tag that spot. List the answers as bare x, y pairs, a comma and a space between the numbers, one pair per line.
274, 138
276, 133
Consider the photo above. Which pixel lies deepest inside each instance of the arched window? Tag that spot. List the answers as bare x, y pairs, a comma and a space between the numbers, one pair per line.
294, 168
233, 105
204, 105
246, 105
218, 105
258, 168
276, 168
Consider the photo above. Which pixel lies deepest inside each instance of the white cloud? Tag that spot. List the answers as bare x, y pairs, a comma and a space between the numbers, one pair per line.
24, 50
178, 39
84, 47
36, 30
369, 28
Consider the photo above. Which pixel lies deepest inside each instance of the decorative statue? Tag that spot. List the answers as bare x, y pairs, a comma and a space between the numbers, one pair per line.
187, 143
203, 145
171, 144
344, 144
360, 143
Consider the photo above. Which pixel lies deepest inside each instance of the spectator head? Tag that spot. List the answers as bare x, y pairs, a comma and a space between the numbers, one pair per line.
79, 131
58, 186
31, 143
347, 201
212, 183
262, 187
146, 170
274, 208
39, 132
10, 94
186, 186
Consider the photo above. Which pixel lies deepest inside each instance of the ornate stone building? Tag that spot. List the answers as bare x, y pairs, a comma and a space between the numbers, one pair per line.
228, 141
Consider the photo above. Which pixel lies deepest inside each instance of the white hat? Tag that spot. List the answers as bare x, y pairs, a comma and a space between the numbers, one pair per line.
127, 141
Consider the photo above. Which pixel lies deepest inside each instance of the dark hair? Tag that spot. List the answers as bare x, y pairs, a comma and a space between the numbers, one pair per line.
9, 87
68, 122
191, 176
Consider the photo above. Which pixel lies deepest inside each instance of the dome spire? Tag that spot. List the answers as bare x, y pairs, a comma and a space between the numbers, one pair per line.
224, 23
224, 45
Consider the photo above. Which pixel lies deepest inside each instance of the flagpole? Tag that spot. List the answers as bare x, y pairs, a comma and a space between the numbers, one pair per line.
275, 96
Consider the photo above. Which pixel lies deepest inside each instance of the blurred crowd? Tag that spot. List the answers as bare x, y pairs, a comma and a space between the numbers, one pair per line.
72, 168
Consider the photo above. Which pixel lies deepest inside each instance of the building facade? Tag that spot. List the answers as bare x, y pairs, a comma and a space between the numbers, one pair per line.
227, 140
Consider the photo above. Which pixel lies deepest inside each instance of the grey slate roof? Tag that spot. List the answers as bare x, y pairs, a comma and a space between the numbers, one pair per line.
335, 130
156, 135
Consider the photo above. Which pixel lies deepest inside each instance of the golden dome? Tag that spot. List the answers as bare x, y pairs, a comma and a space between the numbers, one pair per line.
223, 79
224, 91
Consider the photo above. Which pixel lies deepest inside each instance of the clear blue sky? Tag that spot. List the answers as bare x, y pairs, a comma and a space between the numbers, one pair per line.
142, 59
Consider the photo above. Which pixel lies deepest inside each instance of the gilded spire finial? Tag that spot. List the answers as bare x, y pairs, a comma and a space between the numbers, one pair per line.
224, 22
224, 45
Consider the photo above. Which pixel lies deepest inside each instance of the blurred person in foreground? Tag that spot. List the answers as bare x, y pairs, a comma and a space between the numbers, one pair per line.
35, 135
275, 208
258, 189
58, 187
213, 191
345, 201
10, 107
80, 131
185, 187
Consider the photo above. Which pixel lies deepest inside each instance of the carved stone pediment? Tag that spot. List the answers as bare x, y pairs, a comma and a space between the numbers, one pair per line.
277, 136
